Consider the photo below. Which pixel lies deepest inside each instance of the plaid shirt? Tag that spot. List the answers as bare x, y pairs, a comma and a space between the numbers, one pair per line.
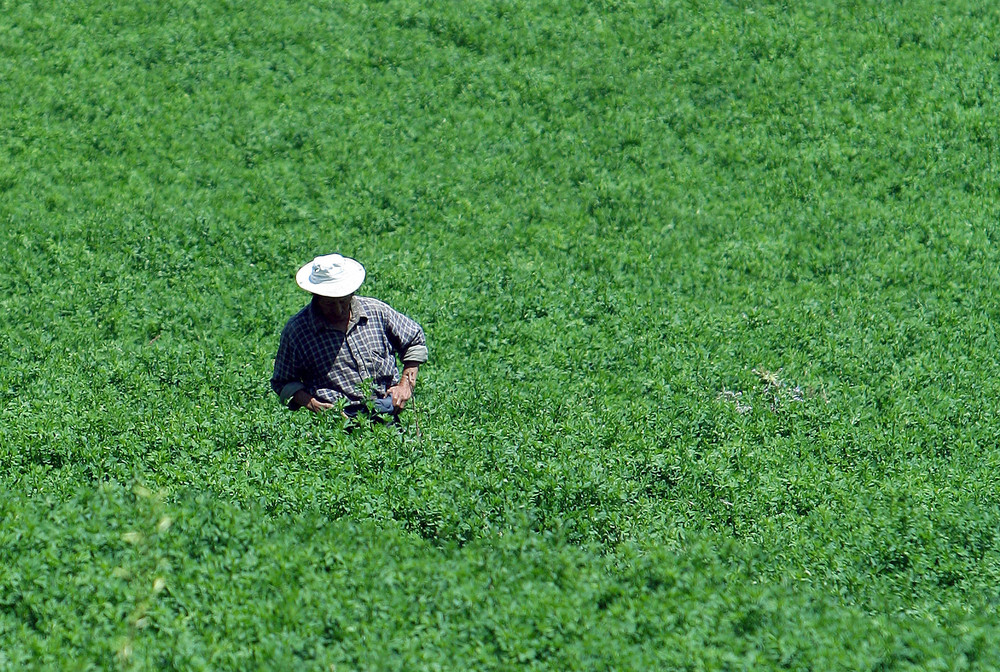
331, 365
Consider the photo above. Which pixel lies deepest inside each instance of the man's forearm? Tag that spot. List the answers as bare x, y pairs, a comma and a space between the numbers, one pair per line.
410, 373
301, 398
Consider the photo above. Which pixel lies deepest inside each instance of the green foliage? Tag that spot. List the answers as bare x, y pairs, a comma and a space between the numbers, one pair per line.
709, 294
122, 579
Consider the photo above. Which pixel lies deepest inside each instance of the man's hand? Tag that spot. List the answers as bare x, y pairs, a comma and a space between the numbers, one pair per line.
306, 400
317, 406
402, 391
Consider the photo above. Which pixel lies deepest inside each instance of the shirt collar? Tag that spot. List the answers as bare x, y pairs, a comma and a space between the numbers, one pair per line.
358, 312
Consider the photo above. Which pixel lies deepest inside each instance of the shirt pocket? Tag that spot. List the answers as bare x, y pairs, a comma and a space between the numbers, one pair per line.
366, 353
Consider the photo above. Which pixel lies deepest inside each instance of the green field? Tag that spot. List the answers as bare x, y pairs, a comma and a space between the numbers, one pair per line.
710, 294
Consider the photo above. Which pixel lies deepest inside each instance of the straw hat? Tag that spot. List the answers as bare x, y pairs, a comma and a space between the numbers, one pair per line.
331, 275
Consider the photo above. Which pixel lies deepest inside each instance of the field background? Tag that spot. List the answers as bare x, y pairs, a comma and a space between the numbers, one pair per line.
710, 295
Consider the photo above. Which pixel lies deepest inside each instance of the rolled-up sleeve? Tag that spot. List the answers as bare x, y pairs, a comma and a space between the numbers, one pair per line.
406, 336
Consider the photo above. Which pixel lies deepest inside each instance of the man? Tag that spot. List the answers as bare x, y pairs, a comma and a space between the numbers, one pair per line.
330, 348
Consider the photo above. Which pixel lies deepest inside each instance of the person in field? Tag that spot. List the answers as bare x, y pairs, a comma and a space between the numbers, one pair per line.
339, 342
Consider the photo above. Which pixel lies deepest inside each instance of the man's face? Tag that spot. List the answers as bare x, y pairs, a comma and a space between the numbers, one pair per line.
335, 309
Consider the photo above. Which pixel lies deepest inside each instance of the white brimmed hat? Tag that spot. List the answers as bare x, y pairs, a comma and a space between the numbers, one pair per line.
331, 275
